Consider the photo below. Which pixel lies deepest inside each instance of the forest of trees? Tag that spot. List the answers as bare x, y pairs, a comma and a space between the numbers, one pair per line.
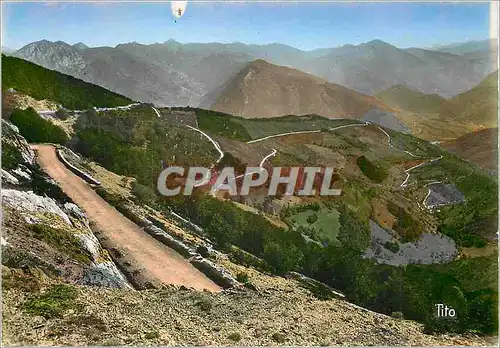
412, 290
41, 83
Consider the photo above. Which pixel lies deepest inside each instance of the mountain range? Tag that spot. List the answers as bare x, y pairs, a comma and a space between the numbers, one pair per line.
176, 74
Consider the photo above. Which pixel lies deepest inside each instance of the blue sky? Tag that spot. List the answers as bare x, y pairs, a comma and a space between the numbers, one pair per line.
302, 25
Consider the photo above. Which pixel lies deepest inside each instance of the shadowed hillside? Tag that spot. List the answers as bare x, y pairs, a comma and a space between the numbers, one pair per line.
434, 118
479, 147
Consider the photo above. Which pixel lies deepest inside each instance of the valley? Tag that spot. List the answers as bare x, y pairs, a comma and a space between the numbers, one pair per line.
93, 254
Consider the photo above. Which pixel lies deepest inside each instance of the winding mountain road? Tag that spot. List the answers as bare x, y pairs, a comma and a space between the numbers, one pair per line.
407, 171
389, 141
271, 154
157, 261
307, 131
216, 144
157, 112
124, 107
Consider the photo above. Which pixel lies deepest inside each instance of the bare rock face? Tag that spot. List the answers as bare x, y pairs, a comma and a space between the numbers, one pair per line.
104, 274
30, 202
443, 194
54, 55
430, 248
9, 178
45, 211
10, 134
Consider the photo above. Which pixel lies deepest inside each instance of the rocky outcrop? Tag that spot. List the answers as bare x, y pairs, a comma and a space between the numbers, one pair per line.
75, 170
104, 274
442, 194
430, 248
40, 210
9, 178
316, 287
215, 272
170, 241
30, 202
41, 203
10, 134
54, 55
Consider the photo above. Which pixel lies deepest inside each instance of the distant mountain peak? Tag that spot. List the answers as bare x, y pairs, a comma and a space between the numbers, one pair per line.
80, 45
378, 43
43, 41
172, 42
261, 62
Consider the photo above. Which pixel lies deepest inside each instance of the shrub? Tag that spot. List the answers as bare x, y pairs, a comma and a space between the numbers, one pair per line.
111, 342
11, 156
392, 246
62, 240
36, 129
279, 337
235, 336
203, 251
229, 160
143, 194
312, 218
397, 315
406, 226
373, 172
354, 232
205, 305
242, 277
43, 186
62, 114
18, 280
25, 260
53, 303
152, 335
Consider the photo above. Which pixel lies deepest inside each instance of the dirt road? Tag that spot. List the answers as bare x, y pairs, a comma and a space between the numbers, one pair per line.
157, 261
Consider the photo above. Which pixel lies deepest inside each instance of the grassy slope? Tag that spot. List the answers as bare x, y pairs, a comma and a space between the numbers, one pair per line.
323, 224
478, 105
404, 98
36, 129
434, 118
135, 142
41, 83
477, 147
242, 129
